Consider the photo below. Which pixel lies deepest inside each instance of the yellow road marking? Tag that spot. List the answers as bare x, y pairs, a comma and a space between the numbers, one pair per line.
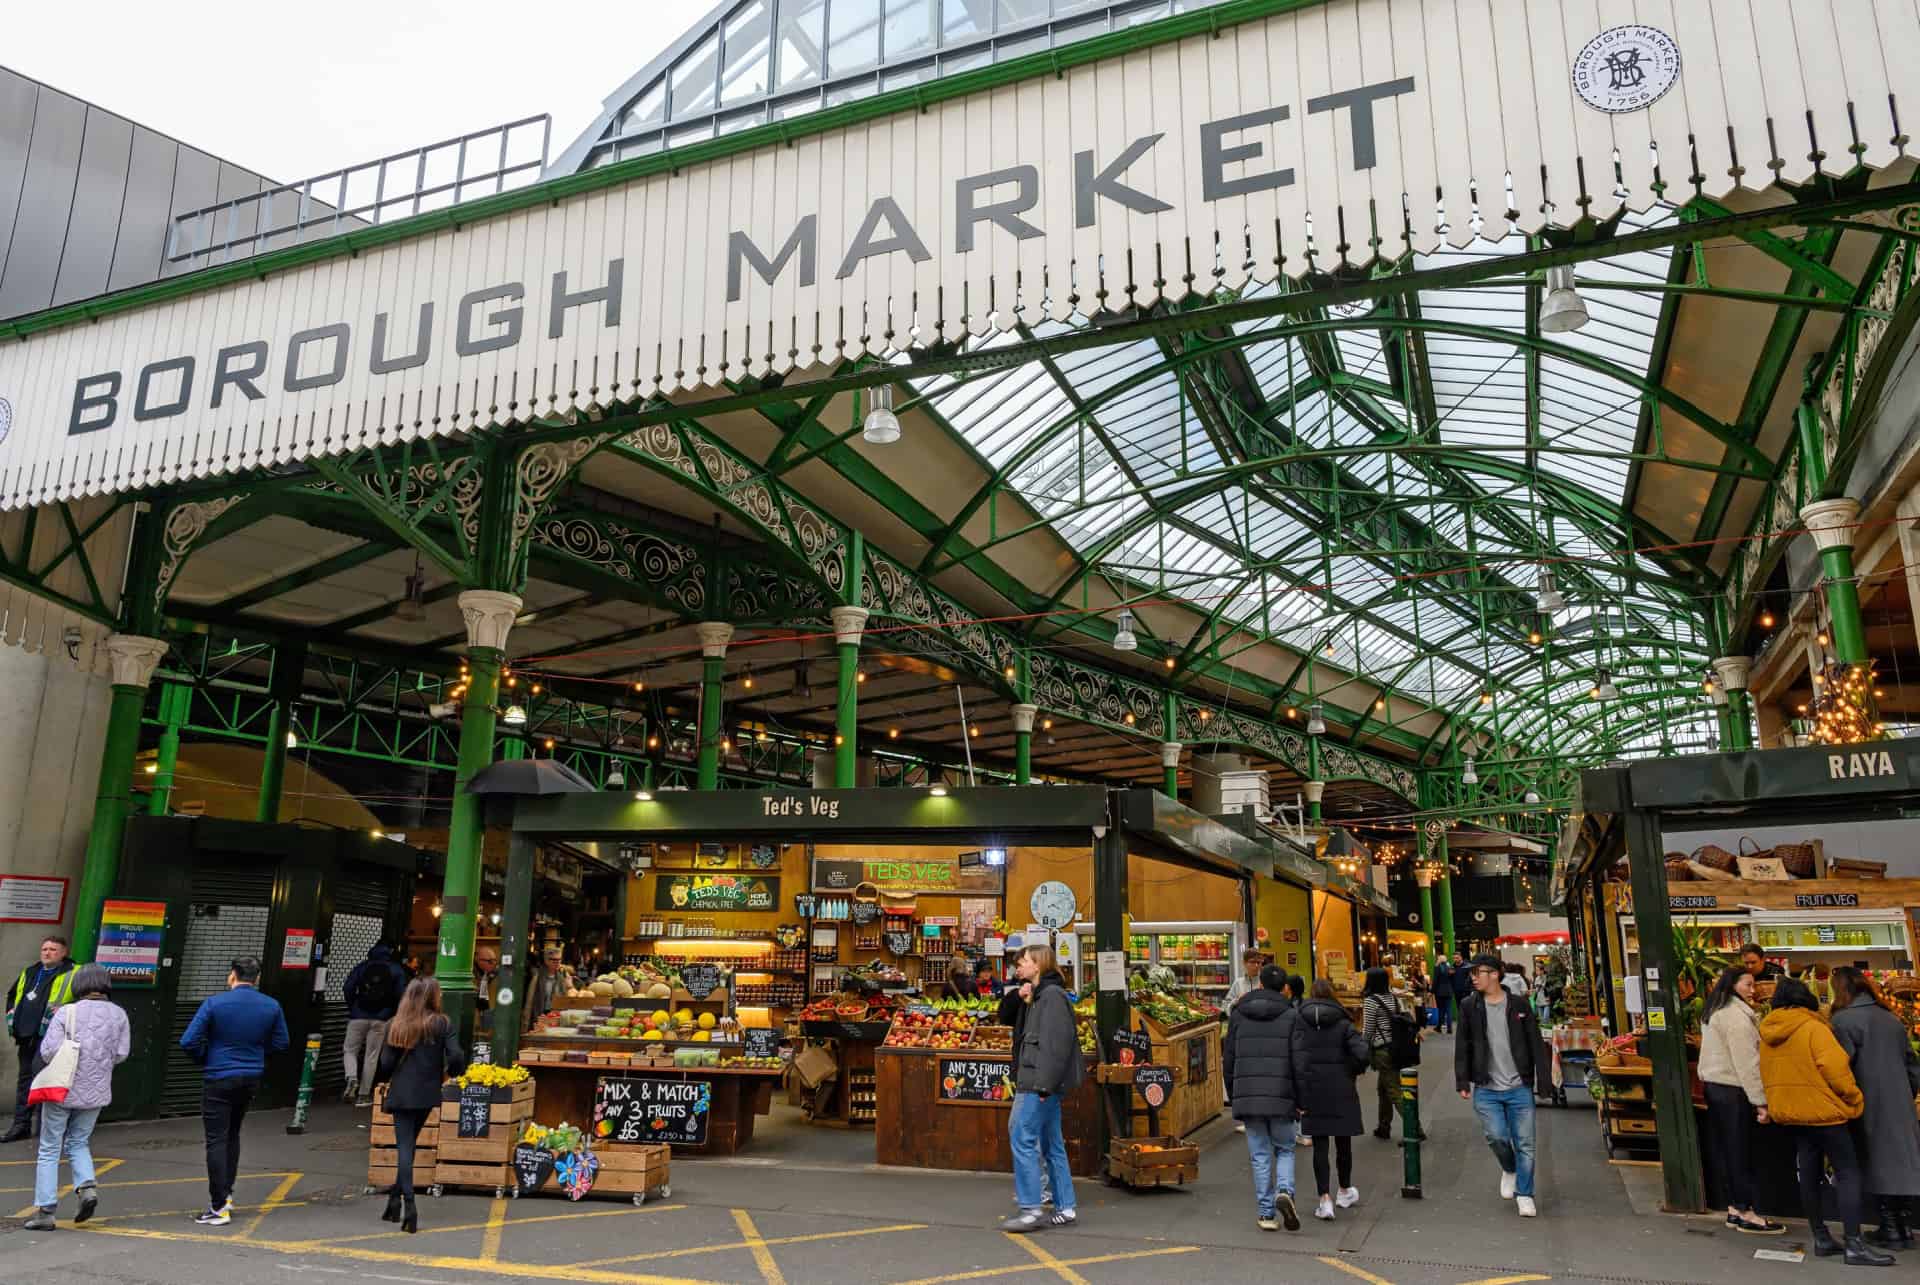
741, 1244
106, 1165
117, 1219
1509, 1280
762, 1256
542, 1218
1040, 1255
100, 1167
99, 1162
536, 1271
274, 1197
987, 1272
1351, 1270
496, 1222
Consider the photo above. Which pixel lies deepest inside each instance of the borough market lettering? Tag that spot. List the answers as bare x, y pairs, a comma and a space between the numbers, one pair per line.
492, 318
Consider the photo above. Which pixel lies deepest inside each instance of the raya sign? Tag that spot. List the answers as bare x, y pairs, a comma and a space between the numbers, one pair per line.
1303, 139
716, 892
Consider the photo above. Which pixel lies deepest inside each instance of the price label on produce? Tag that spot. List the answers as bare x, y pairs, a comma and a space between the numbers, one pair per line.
650, 1110
1154, 1084
760, 1041
532, 1165
700, 980
976, 1080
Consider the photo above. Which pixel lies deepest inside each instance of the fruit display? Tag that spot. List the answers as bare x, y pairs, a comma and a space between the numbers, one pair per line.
993, 1039
494, 1077
924, 1028
1165, 1007
753, 1063
607, 1023
696, 1057
559, 1138
843, 1007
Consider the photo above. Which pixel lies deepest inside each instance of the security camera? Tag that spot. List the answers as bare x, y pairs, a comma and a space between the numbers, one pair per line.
441, 710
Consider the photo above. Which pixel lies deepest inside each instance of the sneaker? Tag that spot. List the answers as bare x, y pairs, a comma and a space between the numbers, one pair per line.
42, 1220
1288, 1214
1266, 1223
1241, 1127
346, 1094
1508, 1183
1063, 1218
214, 1218
227, 1207
1324, 1209
1025, 1220
89, 1201
1348, 1197
1527, 1209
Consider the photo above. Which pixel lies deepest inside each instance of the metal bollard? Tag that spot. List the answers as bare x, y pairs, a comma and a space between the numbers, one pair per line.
1410, 1131
304, 1098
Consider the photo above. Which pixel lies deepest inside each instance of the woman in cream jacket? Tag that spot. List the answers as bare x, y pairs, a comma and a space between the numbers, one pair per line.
1736, 1098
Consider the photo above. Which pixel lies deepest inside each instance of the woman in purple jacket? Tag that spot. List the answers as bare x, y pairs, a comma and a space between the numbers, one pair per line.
99, 1026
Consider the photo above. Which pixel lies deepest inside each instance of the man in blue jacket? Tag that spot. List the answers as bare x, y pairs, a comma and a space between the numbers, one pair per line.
231, 1036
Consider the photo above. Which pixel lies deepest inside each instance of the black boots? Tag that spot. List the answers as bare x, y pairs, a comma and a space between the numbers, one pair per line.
1824, 1245
1861, 1254
16, 1133
392, 1214
1384, 1133
410, 1220
1896, 1227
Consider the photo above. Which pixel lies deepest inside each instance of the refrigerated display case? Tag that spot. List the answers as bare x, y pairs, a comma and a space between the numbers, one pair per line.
1203, 956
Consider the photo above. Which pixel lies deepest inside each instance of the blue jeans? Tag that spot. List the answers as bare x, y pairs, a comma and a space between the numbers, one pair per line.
69, 1130
1443, 1012
1033, 1131
1506, 1116
1270, 1140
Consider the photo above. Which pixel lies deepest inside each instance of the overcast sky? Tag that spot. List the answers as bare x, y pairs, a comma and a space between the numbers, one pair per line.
291, 91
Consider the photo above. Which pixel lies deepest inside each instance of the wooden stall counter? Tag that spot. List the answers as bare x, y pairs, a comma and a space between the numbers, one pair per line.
948, 1110
1193, 1051
565, 1091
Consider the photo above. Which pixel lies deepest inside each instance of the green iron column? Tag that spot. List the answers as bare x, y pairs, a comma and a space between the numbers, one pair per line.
1111, 1012
289, 669
848, 622
714, 637
1425, 880
490, 615
1831, 523
175, 702
516, 950
1447, 939
1023, 716
1170, 748
1731, 673
134, 659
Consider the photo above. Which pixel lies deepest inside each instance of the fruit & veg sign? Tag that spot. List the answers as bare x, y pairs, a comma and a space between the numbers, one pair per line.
972, 1081
638, 1109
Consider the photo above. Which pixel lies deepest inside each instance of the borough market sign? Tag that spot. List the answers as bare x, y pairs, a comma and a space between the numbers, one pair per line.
1295, 139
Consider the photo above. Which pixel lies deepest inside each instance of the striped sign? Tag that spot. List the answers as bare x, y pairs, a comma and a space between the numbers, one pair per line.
1312, 137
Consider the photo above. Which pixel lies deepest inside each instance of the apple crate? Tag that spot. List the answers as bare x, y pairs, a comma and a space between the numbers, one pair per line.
1153, 1162
383, 1168
637, 1171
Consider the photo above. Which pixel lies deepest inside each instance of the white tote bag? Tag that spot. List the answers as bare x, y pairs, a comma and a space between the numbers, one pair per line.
56, 1077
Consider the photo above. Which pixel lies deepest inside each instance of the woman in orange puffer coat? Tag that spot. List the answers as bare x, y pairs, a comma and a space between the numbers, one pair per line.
1811, 1089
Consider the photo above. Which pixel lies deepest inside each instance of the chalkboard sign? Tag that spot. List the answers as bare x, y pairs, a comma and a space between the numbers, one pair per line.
759, 1041
1196, 1059
1131, 1048
710, 849
700, 980
837, 875
976, 1080
532, 1165
476, 1110
865, 912
648, 1110
1154, 1084
763, 856
899, 943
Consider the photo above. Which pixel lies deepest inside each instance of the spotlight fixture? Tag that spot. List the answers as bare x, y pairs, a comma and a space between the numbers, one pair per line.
1534, 637
1380, 705
1469, 774
1766, 620
1046, 725
1316, 721
616, 777
1486, 698
893, 733
881, 426
494, 918
1533, 796
514, 716
747, 681
1123, 638
1550, 597
653, 742
639, 686
1169, 662
1562, 310
938, 789
1604, 689
293, 741
643, 796
994, 856
153, 769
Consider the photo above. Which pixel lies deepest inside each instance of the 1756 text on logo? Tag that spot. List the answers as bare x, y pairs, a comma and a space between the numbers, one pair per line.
1624, 69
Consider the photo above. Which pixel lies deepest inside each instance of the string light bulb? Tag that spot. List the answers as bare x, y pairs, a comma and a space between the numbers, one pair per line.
1766, 620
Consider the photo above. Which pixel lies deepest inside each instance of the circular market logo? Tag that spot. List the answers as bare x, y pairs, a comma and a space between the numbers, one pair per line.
6, 418
1624, 69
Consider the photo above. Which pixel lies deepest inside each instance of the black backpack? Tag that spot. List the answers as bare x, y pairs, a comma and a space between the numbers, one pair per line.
1404, 1043
375, 990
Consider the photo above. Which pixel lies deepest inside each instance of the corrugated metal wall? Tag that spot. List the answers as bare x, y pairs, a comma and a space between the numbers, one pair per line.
86, 196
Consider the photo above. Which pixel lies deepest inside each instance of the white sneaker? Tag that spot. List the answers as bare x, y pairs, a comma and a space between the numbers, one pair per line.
1324, 1209
1348, 1197
1527, 1209
1507, 1184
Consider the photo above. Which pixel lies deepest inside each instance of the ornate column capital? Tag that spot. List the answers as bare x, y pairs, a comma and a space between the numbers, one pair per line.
1422, 877
1170, 754
1023, 716
1315, 790
1831, 522
1733, 672
714, 637
490, 615
134, 657
848, 622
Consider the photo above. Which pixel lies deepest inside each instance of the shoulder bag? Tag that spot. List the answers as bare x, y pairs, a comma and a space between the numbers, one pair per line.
56, 1077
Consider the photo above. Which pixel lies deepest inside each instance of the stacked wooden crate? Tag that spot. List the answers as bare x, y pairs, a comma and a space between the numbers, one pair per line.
485, 1161
381, 1160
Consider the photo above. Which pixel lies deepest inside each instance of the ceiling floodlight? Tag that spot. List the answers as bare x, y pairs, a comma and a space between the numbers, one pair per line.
1533, 796
881, 426
1550, 599
1563, 309
1123, 638
616, 777
1604, 689
1469, 775
1316, 723
514, 716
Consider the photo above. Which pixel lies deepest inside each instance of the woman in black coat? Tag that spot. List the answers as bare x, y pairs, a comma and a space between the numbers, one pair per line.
1889, 1075
1328, 1056
419, 1055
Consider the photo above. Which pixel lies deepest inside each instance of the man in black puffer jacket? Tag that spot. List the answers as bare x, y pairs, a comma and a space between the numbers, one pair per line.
1258, 1063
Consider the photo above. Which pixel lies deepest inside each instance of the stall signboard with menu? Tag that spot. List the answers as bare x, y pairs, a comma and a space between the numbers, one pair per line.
716, 892
972, 1081
642, 1109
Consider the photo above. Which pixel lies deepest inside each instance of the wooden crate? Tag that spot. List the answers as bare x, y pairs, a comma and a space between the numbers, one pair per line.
382, 1135
624, 1171
1173, 1165
498, 1177
382, 1167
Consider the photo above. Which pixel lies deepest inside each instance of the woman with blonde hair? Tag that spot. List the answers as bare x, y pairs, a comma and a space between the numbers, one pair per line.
420, 1054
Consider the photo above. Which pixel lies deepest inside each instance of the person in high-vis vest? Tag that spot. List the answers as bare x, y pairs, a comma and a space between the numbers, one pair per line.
42, 987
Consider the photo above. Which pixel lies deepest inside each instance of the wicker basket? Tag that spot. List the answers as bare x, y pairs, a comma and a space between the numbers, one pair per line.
1715, 857
1798, 858
1678, 871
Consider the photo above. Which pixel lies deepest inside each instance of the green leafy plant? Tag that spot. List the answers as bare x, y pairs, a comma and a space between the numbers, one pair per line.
1696, 966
